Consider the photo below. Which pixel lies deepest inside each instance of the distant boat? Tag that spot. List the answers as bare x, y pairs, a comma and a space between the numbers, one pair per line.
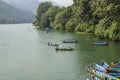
62, 48
47, 29
100, 43
70, 41
51, 44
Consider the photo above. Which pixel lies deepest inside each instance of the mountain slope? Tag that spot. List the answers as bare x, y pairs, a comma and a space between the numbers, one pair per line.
52, 1
30, 5
10, 14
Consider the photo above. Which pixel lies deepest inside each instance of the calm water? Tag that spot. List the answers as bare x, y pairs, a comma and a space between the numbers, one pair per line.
25, 55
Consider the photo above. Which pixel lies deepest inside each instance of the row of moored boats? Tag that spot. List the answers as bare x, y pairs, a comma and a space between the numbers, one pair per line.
105, 71
63, 48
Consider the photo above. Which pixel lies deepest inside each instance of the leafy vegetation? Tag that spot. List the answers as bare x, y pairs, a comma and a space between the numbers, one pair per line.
41, 19
100, 17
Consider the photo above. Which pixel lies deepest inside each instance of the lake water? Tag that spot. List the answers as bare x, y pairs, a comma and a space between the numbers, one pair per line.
25, 55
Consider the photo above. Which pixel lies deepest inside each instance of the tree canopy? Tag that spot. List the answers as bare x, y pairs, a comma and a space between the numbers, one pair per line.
100, 17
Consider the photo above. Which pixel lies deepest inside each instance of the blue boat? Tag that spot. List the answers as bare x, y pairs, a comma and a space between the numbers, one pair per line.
99, 68
104, 64
109, 68
115, 74
101, 75
113, 70
100, 43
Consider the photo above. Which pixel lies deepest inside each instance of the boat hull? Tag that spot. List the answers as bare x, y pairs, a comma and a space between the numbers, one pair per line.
70, 41
100, 43
63, 49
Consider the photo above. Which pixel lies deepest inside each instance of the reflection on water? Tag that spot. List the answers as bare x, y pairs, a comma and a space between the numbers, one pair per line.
25, 55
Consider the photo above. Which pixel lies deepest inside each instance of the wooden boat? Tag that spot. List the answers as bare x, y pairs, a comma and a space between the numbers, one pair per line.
113, 70
62, 48
101, 75
99, 68
54, 45
104, 64
112, 65
70, 41
115, 74
109, 68
51, 44
100, 43
115, 63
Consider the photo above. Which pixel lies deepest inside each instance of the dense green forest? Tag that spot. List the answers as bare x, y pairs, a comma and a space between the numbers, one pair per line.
99, 17
10, 14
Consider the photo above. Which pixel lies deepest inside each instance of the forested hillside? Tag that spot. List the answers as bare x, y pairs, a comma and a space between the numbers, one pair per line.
10, 14
100, 17
28, 5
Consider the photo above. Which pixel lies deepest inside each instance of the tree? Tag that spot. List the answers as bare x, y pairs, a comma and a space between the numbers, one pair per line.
108, 12
51, 13
62, 18
101, 17
42, 8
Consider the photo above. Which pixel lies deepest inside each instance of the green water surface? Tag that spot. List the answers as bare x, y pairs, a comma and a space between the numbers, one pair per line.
25, 55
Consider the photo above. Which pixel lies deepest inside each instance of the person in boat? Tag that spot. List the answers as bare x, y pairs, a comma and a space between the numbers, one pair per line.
48, 43
60, 47
69, 47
